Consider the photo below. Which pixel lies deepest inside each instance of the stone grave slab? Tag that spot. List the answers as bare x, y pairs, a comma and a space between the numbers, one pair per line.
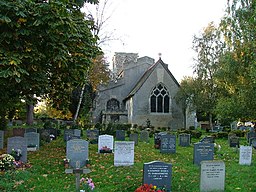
32, 139
77, 132
105, 144
250, 135
1, 139
68, 133
252, 142
144, 136
168, 143
18, 132
18, 143
234, 141
203, 152
184, 140
158, 173
120, 135
124, 153
207, 139
92, 136
134, 137
212, 177
77, 152
245, 155
157, 139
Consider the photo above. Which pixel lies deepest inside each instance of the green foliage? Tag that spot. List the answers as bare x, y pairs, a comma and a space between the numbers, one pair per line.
239, 133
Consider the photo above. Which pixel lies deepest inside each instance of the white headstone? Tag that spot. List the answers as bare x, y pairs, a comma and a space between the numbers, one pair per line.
105, 141
212, 177
245, 157
124, 153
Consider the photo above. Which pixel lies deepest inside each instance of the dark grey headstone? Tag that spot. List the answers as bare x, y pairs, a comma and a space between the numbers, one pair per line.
212, 177
70, 137
105, 141
92, 136
184, 140
203, 152
207, 139
124, 153
77, 152
77, 132
134, 137
168, 144
252, 142
120, 135
45, 135
18, 132
234, 141
68, 133
1, 139
144, 136
28, 130
157, 139
250, 135
158, 173
32, 138
18, 143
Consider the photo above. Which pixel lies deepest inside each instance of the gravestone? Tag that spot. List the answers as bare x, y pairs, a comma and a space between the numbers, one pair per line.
124, 153
68, 133
77, 133
105, 141
184, 140
245, 156
45, 135
134, 137
1, 139
207, 139
203, 152
18, 132
252, 142
18, 143
73, 137
31, 130
158, 173
77, 152
32, 138
250, 135
230, 135
157, 139
212, 177
53, 133
92, 136
234, 141
168, 144
120, 135
144, 136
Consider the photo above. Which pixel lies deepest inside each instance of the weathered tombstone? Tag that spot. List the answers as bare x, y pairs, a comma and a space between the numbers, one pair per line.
245, 156
230, 135
1, 139
252, 142
18, 132
32, 139
105, 144
68, 133
168, 144
73, 137
184, 140
92, 136
144, 136
77, 153
134, 137
45, 135
234, 141
250, 135
158, 174
77, 132
157, 139
212, 177
124, 153
120, 135
18, 143
203, 152
31, 130
207, 139
53, 133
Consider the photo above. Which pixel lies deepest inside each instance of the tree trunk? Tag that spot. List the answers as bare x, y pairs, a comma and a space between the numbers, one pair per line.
30, 114
210, 121
79, 103
185, 118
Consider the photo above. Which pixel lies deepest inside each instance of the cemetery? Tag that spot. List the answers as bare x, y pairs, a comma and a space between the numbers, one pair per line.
184, 160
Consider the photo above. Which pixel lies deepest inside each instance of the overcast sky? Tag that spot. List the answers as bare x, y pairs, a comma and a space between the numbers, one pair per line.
150, 27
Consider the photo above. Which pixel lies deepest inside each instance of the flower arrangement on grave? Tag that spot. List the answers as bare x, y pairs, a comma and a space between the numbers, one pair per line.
6, 162
16, 153
86, 184
66, 162
149, 188
105, 149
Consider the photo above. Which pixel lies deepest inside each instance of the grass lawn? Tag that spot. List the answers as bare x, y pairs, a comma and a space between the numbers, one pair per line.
47, 171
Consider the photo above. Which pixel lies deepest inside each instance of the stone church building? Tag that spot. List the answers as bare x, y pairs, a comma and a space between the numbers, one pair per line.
140, 91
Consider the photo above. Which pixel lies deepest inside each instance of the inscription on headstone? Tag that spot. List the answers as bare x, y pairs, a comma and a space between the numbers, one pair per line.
77, 152
1, 139
184, 140
212, 176
18, 143
245, 156
203, 152
158, 173
124, 153
168, 144
134, 137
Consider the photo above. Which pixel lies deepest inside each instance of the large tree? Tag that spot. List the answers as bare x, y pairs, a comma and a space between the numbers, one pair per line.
46, 48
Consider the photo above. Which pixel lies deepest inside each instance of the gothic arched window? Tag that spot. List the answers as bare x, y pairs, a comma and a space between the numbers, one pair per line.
113, 105
159, 99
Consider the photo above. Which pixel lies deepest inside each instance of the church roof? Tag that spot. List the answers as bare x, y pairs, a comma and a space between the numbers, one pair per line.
147, 74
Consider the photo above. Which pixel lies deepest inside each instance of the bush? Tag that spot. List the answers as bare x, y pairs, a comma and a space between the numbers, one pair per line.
239, 133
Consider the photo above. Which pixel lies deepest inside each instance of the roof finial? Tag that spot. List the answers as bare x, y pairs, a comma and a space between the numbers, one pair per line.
159, 54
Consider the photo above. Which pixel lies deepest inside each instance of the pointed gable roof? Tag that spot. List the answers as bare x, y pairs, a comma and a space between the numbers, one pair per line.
147, 74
